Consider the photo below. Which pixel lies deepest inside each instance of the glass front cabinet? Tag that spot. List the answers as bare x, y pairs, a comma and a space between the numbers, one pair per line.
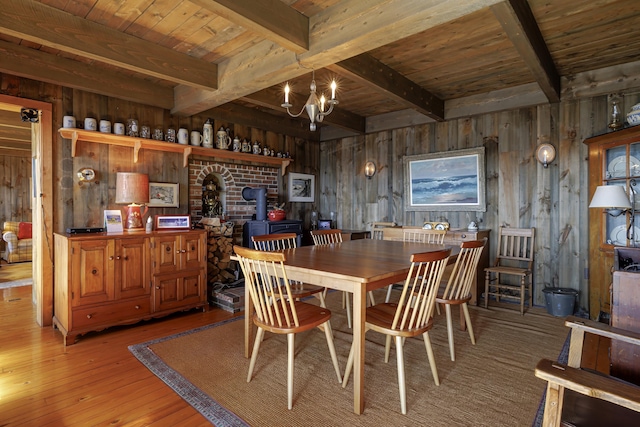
614, 159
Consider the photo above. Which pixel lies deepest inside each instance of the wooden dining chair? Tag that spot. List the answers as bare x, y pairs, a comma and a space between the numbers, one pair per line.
327, 237
419, 235
411, 316
265, 276
377, 229
456, 289
514, 258
276, 242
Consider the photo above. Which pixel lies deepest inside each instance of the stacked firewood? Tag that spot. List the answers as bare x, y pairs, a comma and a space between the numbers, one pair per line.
220, 268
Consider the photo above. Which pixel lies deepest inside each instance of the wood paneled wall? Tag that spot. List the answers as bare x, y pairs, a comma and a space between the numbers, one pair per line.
519, 191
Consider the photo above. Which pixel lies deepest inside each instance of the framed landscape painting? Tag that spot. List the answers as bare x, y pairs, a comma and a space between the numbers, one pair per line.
446, 181
164, 195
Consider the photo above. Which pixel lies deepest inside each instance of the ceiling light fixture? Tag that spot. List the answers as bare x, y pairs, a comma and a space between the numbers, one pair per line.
314, 105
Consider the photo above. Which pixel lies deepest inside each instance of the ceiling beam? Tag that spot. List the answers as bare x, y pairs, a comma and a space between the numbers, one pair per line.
271, 19
34, 64
246, 116
349, 28
369, 71
339, 117
38, 23
520, 25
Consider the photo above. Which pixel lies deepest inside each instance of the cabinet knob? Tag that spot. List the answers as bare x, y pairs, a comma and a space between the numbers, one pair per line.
178, 251
137, 307
94, 271
184, 250
111, 258
118, 257
193, 248
158, 287
89, 316
464, 236
126, 258
167, 249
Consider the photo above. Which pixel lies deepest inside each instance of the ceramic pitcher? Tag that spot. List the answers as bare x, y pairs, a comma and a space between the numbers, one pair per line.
223, 140
207, 134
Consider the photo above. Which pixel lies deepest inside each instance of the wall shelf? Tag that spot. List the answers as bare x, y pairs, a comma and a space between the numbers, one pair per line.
137, 144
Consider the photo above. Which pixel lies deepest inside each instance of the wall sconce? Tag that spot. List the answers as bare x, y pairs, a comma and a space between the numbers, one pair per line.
369, 169
132, 189
545, 153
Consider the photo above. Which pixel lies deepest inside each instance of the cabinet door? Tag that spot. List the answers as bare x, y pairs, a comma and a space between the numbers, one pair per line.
92, 272
193, 248
132, 268
167, 292
166, 253
192, 288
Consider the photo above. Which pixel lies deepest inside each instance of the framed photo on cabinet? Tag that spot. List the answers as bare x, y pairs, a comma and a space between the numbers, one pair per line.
113, 221
173, 222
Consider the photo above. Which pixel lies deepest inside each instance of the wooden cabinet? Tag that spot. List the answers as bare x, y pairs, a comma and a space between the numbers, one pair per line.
102, 280
179, 278
614, 159
454, 237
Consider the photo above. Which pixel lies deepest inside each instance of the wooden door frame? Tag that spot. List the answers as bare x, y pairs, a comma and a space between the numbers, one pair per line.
43, 279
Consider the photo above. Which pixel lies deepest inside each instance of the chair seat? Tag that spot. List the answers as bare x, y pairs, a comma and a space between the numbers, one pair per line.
303, 290
508, 270
309, 316
380, 319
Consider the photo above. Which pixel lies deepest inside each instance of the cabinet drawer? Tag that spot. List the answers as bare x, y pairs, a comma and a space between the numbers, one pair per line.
111, 313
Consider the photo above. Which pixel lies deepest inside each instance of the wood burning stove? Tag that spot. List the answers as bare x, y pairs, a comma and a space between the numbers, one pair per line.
259, 228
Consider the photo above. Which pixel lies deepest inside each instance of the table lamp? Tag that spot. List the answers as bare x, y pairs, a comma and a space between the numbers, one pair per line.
132, 189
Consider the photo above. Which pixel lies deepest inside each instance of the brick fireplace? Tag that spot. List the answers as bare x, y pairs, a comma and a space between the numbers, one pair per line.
234, 177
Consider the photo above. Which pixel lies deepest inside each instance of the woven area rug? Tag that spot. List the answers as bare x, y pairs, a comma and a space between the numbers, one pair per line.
490, 384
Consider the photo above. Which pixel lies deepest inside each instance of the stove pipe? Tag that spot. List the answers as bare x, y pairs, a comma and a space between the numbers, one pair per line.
260, 196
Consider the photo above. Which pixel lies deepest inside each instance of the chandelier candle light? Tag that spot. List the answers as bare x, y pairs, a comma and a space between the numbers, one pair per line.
314, 106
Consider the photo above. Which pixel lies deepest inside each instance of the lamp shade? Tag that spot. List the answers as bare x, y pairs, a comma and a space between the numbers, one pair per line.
610, 196
132, 187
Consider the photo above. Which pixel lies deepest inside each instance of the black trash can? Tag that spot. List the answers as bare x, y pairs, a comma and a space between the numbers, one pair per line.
560, 302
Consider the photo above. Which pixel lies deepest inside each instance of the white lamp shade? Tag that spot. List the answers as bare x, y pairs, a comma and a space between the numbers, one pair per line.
610, 196
132, 187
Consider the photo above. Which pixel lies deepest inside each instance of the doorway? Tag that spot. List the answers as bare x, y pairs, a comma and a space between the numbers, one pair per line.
41, 163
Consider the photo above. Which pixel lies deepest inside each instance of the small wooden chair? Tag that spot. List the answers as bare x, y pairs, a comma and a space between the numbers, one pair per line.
411, 316
277, 242
377, 229
327, 237
514, 258
419, 235
265, 276
456, 290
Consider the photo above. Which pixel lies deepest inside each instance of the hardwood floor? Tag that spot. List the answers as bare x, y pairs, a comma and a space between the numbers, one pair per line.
96, 381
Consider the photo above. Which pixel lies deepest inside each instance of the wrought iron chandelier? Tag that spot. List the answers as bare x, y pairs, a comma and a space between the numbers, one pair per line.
314, 106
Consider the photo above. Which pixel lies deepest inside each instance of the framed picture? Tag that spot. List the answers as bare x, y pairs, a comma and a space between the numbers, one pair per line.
447, 181
113, 221
173, 222
164, 195
301, 187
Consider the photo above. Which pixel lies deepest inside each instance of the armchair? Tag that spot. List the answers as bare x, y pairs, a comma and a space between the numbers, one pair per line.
588, 397
18, 247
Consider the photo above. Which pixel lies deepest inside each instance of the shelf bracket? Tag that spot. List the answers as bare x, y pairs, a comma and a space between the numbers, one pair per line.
74, 142
137, 144
285, 163
185, 156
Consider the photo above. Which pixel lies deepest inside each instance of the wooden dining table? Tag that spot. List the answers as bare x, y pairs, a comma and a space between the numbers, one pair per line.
355, 266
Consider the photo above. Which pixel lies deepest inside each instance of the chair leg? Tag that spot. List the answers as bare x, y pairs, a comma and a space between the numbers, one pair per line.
522, 295
321, 298
254, 355
447, 309
438, 308
467, 319
487, 279
388, 298
290, 355
332, 349
432, 360
373, 301
530, 292
401, 377
348, 306
387, 349
347, 369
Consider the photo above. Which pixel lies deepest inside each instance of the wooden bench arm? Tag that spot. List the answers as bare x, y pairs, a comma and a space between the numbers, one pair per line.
559, 377
578, 328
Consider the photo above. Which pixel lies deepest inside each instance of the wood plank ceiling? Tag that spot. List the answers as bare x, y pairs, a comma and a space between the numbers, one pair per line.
421, 59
